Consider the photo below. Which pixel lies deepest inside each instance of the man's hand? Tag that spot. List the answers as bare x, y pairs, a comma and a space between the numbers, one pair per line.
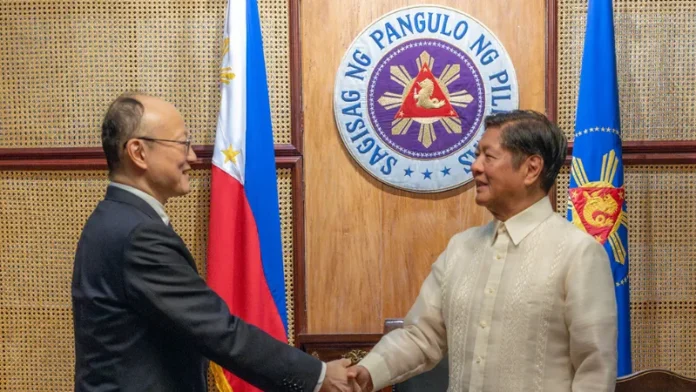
362, 377
336, 378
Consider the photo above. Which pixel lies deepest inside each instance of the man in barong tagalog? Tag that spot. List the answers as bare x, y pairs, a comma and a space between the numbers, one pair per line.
524, 303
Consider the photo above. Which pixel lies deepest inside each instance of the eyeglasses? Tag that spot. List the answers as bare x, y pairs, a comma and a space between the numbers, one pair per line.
186, 142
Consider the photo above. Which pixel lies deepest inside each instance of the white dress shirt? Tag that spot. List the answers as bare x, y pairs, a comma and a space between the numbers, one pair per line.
522, 305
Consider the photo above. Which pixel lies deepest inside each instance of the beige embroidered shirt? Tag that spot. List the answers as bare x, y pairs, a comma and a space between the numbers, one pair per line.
522, 305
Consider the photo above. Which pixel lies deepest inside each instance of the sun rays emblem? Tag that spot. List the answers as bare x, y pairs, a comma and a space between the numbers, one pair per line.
597, 206
425, 99
422, 115
412, 92
226, 74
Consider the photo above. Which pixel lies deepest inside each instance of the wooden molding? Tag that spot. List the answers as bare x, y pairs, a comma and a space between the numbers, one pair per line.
349, 339
298, 233
330, 347
297, 137
92, 158
551, 84
296, 107
673, 152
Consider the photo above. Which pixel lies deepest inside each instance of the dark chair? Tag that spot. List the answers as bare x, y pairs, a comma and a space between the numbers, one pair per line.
655, 380
434, 380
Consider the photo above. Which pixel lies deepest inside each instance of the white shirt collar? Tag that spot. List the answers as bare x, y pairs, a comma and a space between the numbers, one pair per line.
520, 225
154, 203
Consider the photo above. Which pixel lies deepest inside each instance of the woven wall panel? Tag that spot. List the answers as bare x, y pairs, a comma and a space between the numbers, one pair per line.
41, 217
656, 57
662, 215
63, 61
286, 226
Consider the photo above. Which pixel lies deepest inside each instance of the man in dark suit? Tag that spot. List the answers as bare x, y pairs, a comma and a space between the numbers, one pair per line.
144, 319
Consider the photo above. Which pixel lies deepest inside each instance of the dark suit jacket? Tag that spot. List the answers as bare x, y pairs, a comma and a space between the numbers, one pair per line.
146, 321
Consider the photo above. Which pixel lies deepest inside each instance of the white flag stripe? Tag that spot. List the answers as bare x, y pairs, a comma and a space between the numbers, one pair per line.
231, 125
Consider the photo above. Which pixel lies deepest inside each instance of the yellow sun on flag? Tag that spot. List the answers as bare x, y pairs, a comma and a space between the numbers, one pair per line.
225, 46
226, 74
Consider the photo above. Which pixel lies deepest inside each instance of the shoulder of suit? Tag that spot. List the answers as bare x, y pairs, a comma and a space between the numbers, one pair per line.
123, 210
153, 226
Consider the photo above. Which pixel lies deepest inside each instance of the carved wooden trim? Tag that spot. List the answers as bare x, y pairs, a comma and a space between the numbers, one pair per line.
298, 228
296, 108
338, 339
551, 83
654, 152
92, 158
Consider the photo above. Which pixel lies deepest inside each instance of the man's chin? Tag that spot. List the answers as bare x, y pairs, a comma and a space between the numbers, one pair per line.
185, 189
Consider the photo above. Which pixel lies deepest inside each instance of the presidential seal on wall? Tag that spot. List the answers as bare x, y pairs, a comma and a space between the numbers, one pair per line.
412, 92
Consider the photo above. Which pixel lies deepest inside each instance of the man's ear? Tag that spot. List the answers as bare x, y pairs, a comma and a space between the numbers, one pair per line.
135, 152
534, 165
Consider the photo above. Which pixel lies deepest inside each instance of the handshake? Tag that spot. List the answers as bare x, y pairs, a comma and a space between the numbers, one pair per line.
342, 377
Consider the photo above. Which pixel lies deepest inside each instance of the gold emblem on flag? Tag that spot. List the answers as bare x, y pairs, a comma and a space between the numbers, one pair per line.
226, 74
225, 46
230, 154
597, 206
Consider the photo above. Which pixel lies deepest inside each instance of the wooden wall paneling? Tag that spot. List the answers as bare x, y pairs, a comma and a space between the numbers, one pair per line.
343, 204
369, 246
417, 231
420, 226
298, 227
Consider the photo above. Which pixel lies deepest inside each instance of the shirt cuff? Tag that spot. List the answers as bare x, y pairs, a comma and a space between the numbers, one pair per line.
379, 372
321, 377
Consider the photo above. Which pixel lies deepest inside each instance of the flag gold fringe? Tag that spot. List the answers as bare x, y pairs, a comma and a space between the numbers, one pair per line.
221, 382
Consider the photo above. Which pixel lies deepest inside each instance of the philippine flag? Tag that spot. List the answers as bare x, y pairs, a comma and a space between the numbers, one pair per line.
245, 259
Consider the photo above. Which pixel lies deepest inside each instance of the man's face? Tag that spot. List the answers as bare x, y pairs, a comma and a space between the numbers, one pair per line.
498, 183
168, 162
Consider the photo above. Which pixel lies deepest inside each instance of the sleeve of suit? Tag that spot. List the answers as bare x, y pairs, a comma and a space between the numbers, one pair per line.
162, 285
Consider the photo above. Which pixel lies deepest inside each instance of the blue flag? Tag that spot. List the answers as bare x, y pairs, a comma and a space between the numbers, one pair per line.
596, 201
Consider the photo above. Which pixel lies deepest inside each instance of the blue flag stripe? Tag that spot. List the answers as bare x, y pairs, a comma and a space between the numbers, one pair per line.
260, 182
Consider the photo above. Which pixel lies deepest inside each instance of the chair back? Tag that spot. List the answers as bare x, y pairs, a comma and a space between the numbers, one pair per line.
655, 380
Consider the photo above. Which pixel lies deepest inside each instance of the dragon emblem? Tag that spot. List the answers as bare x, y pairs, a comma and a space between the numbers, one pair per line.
599, 209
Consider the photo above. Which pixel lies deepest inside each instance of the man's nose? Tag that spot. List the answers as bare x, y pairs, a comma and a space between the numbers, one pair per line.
191, 155
477, 166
